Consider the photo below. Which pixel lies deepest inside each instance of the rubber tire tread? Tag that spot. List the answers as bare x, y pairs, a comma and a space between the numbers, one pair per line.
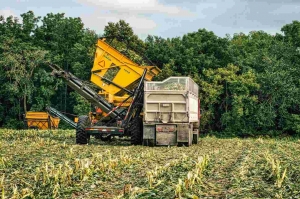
137, 131
81, 134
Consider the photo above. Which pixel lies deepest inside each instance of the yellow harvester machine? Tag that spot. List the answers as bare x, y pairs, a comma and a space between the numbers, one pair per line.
120, 99
118, 103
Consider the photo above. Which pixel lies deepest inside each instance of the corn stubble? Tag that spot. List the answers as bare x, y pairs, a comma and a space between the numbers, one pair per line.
47, 164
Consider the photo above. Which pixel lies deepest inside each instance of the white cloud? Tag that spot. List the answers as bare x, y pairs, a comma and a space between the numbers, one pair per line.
142, 15
136, 6
6, 12
97, 21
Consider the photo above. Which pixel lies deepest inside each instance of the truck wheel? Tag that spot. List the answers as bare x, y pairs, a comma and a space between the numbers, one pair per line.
137, 131
81, 135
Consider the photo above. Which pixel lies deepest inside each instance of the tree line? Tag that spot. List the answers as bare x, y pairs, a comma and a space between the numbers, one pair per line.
249, 83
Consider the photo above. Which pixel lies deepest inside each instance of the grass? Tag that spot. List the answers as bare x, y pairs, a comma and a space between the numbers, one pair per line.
47, 164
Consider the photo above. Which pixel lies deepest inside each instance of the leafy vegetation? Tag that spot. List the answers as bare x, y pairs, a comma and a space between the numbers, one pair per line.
249, 84
47, 164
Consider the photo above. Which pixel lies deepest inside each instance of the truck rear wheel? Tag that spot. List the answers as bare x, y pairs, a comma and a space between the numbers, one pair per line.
81, 135
137, 131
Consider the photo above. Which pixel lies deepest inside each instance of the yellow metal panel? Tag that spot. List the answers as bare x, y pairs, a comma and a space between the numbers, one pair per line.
106, 57
36, 115
41, 120
152, 71
37, 119
40, 124
54, 122
105, 50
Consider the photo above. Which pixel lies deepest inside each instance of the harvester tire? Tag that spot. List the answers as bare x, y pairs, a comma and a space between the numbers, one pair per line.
137, 131
81, 135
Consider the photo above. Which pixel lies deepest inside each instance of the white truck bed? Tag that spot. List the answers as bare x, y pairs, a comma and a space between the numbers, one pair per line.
174, 100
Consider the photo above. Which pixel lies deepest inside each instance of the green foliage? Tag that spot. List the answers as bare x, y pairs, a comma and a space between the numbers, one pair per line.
275, 63
82, 106
82, 55
190, 54
167, 71
292, 33
20, 60
230, 98
26, 82
121, 36
292, 123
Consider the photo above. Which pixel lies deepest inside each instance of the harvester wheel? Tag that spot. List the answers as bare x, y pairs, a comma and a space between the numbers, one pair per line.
81, 135
137, 131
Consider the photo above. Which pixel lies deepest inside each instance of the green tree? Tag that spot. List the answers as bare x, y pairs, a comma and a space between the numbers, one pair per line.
71, 47
19, 62
82, 55
121, 36
274, 62
190, 54
292, 33
230, 100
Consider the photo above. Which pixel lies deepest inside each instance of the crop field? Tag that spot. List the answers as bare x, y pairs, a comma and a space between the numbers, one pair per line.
47, 164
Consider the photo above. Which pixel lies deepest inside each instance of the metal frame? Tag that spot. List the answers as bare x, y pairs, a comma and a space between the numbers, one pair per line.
84, 90
132, 112
105, 79
135, 106
58, 114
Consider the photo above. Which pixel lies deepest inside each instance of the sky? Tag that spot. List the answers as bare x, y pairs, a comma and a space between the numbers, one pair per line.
168, 18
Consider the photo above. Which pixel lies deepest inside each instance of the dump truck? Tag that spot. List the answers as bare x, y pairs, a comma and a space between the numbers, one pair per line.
171, 117
171, 112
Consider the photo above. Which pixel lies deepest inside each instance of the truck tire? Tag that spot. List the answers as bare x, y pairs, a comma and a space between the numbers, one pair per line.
137, 131
81, 135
